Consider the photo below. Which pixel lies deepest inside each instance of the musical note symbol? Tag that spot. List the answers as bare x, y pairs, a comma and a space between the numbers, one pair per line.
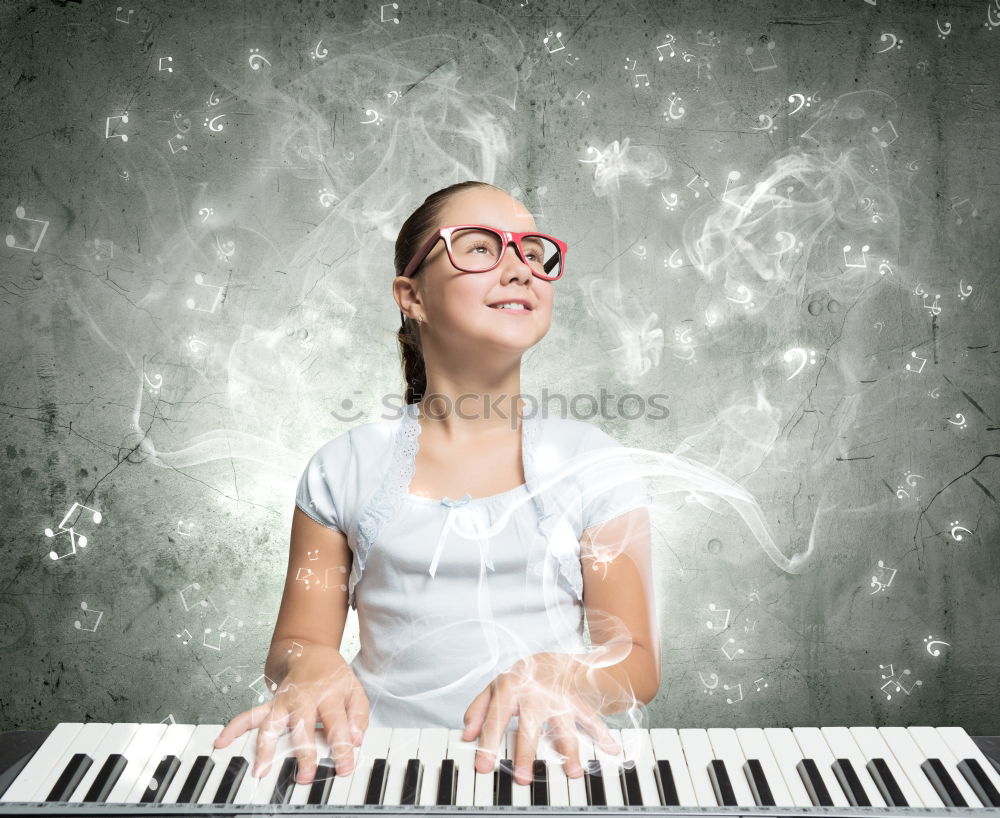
235, 677
304, 575
181, 636
897, 682
170, 142
296, 645
548, 36
19, 212
895, 135
395, 7
709, 688
770, 48
86, 612
955, 526
955, 206
739, 651
711, 39
581, 101
637, 79
733, 176
667, 44
266, 683
107, 127
913, 354
930, 640
119, 19
757, 685
194, 585
713, 625
74, 539
882, 585
168, 68
704, 183
739, 688
675, 100
864, 260
256, 58
199, 279
886, 36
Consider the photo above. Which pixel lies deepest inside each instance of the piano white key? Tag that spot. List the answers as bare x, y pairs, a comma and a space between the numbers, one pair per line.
343, 785
726, 746
814, 746
871, 743
300, 793
909, 757
637, 746
464, 755
520, 794
40, 765
787, 755
242, 746
698, 752
172, 742
116, 740
254, 790
143, 744
577, 787
667, 746
558, 787
962, 745
755, 745
200, 744
843, 745
403, 745
85, 741
610, 768
432, 750
483, 788
375, 744
933, 746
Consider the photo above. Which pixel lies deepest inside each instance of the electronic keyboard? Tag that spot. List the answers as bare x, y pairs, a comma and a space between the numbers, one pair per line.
173, 769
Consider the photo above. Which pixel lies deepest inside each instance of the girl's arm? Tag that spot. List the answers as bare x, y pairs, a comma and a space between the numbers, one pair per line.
312, 612
620, 599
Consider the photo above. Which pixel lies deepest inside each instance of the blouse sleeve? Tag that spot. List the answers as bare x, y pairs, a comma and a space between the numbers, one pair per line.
620, 492
320, 492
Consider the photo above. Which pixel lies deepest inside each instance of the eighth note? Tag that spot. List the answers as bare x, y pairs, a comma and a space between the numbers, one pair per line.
86, 610
12, 241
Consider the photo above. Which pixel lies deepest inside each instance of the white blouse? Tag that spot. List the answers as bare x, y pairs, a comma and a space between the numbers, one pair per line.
450, 593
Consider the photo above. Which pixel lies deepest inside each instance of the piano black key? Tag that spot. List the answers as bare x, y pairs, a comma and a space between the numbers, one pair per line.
815, 786
411, 782
979, 781
70, 777
942, 783
665, 784
721, 784
231, 780
376, 782
503, 783
447, 783
107, 777
165, 772
539, 783
196, 779
630, 784
285, 781
758, 783
595, 783
319, 790
850, 783
886, 783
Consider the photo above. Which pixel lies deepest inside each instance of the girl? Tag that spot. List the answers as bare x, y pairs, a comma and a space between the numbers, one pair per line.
438, 647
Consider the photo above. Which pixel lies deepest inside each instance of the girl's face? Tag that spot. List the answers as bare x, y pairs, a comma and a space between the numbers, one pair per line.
455, 305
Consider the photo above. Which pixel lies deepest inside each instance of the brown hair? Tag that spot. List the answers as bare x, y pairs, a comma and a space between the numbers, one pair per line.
417, 228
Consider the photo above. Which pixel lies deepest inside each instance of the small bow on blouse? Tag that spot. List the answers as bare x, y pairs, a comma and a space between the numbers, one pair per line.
458, 508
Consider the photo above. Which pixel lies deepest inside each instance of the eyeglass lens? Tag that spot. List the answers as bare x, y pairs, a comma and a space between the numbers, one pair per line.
474, 249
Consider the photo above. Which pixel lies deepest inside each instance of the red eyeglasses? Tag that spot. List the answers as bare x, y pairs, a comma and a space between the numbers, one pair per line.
478, 248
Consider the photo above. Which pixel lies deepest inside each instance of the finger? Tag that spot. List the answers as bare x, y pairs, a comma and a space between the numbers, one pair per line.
358, 713
476, 715
598, 730
247, 720
526, 748
267, 737
341, 746
567, 743
501, 709
304, 746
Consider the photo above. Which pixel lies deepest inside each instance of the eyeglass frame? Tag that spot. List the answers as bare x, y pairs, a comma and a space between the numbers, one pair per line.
507, 236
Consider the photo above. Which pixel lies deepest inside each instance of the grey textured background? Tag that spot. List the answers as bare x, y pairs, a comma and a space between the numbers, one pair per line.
210, 302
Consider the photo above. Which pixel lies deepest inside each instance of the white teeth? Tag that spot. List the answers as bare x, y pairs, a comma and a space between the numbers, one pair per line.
510, 307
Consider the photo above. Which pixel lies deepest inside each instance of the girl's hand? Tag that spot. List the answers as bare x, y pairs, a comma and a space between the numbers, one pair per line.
538, 688
321, 686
